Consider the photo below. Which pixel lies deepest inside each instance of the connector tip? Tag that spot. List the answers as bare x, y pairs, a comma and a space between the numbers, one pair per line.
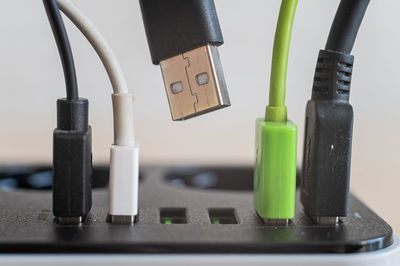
195, 83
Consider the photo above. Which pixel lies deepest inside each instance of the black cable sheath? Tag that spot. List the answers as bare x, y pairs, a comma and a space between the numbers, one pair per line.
64, 47
329, 119
344, 29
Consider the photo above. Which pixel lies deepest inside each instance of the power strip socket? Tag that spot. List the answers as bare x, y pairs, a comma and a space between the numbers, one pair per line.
182, 210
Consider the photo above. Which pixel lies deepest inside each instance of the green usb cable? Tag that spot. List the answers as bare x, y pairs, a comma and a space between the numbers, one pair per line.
276, 136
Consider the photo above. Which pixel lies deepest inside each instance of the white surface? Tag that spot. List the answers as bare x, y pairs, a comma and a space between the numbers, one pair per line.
386, 257
30, 66
124, 180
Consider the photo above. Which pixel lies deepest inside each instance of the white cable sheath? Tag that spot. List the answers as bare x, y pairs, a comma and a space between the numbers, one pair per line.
110, 61
123, 119
122, 100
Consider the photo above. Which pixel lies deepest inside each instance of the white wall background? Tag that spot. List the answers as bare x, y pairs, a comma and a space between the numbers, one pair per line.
31, 81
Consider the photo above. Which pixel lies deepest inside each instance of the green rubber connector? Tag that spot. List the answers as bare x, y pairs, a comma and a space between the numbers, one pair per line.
275, 169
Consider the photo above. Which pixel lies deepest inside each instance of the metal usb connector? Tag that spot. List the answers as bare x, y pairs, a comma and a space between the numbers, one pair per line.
194, 83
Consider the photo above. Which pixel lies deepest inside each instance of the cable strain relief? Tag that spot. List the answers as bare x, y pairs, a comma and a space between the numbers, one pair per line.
123, 119
276, 113
72, 114
332, 79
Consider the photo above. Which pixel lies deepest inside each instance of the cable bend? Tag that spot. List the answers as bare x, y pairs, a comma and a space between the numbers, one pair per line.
122, 99
100, 45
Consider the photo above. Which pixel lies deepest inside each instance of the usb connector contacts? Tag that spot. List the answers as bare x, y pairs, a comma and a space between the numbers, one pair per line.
188, 54
194, 83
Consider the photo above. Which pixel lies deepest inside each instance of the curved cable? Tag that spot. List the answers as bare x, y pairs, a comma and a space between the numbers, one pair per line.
99, 44
276, 110
344, 29
64, 48
122, 100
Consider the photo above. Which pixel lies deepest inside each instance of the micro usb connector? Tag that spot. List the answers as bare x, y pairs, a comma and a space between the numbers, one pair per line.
188, 54
328, 135
194, 83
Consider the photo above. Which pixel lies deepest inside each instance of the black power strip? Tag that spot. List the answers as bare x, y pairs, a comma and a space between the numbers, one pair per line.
182, 210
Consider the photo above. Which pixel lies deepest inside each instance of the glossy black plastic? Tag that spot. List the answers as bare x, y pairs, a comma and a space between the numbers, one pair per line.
177, 26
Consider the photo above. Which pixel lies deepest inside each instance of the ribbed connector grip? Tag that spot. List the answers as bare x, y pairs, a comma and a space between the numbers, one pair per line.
332, 77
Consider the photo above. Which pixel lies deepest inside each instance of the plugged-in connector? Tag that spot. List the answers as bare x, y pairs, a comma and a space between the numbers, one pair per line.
275, 171
124, 183
72, 162
327, 140
188, 54
72, 139
194, 82
276, 136
124, 163
329, 121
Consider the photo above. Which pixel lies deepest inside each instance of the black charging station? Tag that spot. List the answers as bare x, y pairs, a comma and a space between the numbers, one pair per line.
206, 210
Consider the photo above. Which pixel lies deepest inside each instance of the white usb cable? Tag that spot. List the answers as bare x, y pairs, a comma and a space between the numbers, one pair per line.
124, 154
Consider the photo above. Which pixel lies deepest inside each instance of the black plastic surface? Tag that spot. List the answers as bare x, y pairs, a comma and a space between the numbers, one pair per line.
27, 225
177, 26
328, 137
327, 158
72, 114
72, 159
332, 79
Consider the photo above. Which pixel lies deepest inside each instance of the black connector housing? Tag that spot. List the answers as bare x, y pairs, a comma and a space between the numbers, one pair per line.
177, 26
328, 138
72, 160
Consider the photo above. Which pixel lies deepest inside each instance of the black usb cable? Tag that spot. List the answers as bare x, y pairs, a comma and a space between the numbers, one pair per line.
329, 121
183, 36
72, 139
